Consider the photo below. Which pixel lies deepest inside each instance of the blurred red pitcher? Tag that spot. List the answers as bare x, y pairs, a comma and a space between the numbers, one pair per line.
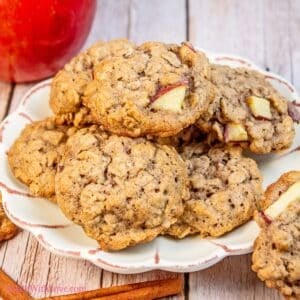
38, 37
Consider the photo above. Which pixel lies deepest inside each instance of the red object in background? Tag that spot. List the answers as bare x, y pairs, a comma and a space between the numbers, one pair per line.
37, 37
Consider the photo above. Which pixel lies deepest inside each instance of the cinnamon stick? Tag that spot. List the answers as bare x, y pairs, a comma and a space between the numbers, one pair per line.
136, 291
162, 289
9, 290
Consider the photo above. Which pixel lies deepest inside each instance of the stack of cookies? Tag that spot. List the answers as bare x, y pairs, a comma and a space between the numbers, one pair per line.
148, 140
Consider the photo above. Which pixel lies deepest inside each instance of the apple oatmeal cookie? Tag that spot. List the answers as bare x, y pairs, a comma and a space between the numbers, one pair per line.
68, 85
247, 110
276, 255
159, 89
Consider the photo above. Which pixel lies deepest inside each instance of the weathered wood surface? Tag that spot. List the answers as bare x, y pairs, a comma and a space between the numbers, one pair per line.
266, 32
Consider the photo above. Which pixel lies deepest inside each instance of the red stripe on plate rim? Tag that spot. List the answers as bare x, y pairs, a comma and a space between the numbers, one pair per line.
239, 60
35, 89
27, 224
43, 241
291, 88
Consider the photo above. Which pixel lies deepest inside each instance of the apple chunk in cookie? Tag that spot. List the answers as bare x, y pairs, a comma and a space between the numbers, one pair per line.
291, 195
260, 107
235, 133
276, 255
170, 97
280, 194
159, 89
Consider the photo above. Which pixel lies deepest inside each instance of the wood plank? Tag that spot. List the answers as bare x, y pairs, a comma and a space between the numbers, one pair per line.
3, 247
294, 25
296, 70
228, 26
230, 279
34, 268
5, 94
111, 21
277, 37
157, 20
15, 255
67, 275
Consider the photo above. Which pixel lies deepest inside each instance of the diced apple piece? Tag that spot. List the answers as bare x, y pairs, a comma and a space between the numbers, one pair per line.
260, 107
235, 133
292, 194
170, 97
293, 111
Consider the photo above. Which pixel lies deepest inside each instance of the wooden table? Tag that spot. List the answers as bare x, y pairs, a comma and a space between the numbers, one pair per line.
266, 32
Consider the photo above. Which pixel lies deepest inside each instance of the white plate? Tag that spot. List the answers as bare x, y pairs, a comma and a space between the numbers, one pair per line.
57, 234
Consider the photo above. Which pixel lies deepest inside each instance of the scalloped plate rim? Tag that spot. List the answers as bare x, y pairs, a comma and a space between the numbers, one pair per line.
204, 262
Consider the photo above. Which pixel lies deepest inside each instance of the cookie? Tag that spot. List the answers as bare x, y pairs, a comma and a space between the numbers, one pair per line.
158, 89
68, 85
7, 229
276, 255
247, 111
34, 156
122, 191
225, 188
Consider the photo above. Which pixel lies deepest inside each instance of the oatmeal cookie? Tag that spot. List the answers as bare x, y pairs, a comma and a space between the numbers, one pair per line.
158, 89
68, 85
276, 255
34, 156
122, 191
225, 188
247, 110
7, 229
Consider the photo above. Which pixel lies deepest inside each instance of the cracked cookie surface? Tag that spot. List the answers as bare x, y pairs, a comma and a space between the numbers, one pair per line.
7, 229
276, 255
225, 188
260, 123
34, 156
185, 137
68, 84
159, 89
122, 191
